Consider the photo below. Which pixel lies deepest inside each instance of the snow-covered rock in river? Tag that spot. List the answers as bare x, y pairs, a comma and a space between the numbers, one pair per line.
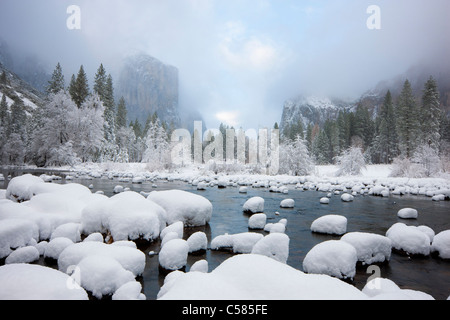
407, 213
257, 221
173, 254
56, 246
238, 243
346, 197
287, 203
243, 189
197, 242
129, 291
330, 224
254, 205
23, 255
200, 266
15, 233
176, 227
385, 289
409, 239
34, 282
102, 275
333, 257
127, 215
274, 245
131, 259
370, 248
441, 244
19, 188
324, 200
255, 277
69, 230
192, 209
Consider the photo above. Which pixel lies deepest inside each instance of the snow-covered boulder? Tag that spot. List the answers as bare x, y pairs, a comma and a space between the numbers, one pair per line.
192, 209
333, 257
96, 236
202, 185
34, 282
385, 289
274, 245
23, 255
177, 227
277, 227
173, 254
409, 239
56, 246
407, 213
347, 197
197, 242
256, 277
330, 224
169, 236
131, 259
287, 203
200, 266
118, 189
129, 291
428, 231
19, 188
370, 248
69, 230
238, 243
102, 275
127, 216
254, 205
257, 221
324, 200
441, 244
243, 189
15, 233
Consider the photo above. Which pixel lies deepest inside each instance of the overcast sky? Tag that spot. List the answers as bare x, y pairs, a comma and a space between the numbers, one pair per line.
238, 61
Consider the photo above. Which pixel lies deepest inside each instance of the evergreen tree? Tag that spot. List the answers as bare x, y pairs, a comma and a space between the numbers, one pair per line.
363, 125
275, 126
100, 82
386, 143
57, 83
121, 116
430, 115
4, 112
321, 147
110, 109
3, 78
407, 125
79, 87
343, 127
137, 128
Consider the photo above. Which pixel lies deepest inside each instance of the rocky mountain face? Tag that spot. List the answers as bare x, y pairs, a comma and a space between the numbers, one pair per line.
148, 85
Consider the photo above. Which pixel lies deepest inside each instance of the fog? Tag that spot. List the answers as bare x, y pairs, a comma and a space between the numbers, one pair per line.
238, 61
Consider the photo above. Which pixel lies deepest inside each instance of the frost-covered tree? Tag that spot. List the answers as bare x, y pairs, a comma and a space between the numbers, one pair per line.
79, 87
157, 152
57, 82
295, 158
427, 157
430, 115
350, 162
407, 121
4, 124
121, 116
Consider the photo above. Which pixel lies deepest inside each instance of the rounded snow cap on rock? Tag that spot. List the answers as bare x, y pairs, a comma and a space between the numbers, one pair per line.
287, 203
407, 213
254, 205
330, 224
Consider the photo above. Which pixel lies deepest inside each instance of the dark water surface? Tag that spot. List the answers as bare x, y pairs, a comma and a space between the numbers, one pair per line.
365, 214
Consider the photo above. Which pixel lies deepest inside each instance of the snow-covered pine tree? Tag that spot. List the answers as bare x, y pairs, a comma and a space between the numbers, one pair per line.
386, 143
157, 152
57, 82
79, 87
294, 157
121, 116
321, 147
407, 121
100, 82
430, 115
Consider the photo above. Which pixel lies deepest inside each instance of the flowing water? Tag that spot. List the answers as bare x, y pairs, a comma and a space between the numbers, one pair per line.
364, 214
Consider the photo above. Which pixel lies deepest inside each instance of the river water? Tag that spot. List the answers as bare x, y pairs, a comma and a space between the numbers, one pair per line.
364, 214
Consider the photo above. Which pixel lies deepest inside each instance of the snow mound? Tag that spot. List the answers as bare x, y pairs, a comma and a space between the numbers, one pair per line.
197, 242
385, 289
173, 254
200, 266
346, 197
370, 248
192, 209
23, 255
324, 200
254, 205
256, 277
69, 230
274, 245
257, 221
129, 291
177, 227
441, 244
56, 246
333, 257
287, 203
127, 215
102, 275
407, 213
19, 187
34, 282
131, 259
15, 233
238, 243
330, 224
409, 239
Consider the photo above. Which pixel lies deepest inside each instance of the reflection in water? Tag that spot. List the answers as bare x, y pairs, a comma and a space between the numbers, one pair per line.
365, 214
